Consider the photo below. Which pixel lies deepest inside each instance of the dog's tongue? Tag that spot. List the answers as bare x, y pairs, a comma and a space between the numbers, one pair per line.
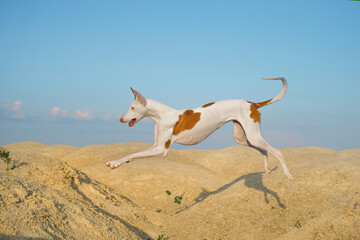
132, 122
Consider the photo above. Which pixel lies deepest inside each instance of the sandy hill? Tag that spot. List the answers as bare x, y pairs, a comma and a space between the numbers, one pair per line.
64, 192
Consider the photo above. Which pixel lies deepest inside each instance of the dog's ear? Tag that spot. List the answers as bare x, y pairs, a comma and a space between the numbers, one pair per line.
138, 97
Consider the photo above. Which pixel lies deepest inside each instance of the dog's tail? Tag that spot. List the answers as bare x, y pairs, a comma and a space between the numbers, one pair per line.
278, 97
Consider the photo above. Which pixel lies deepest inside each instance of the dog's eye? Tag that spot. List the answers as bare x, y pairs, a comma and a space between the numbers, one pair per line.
132, 108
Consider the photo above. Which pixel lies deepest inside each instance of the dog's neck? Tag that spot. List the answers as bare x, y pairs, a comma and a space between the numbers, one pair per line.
157, 109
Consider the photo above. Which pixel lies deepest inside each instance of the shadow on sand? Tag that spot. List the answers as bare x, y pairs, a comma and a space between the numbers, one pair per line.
251, 180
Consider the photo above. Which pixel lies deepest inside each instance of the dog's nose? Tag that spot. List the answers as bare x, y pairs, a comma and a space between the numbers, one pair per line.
122, 120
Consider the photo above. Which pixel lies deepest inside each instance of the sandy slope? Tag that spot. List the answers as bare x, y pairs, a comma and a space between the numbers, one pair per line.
68, 192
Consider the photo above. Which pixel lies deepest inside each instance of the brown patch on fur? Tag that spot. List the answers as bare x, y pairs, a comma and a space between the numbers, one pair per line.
167, 144
186, 121
261, 104
208, 105
254, 113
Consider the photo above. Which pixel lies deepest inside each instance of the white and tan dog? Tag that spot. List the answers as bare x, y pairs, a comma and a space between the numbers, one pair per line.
189, 127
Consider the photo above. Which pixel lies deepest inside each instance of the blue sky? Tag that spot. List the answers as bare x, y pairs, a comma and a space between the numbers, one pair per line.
66, 67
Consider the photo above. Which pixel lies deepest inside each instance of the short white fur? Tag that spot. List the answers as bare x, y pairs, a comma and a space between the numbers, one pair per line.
246, 130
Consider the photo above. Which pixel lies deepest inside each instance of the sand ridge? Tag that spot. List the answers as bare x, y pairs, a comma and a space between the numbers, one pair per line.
225, 194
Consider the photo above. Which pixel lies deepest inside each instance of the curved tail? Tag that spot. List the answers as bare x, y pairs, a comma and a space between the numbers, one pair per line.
278, 97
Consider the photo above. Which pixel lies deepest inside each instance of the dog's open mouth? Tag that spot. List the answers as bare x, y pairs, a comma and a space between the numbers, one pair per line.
132, 122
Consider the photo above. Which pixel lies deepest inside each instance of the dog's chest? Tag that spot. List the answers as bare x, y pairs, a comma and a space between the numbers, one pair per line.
200, 131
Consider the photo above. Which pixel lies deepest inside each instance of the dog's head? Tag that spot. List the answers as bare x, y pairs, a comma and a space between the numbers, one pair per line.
137, 110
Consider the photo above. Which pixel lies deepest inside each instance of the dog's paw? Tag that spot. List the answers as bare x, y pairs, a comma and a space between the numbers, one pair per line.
113, 164
290, 176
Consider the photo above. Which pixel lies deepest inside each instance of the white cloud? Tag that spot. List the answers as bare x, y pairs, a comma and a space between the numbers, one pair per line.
59, 113
84, 115
112, 117
108, 116
12, 111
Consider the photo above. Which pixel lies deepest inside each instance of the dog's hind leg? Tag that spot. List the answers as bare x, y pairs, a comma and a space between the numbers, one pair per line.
240, 138
257, 141
239, 134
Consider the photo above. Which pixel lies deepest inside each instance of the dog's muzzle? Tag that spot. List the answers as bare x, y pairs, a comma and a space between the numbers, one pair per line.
131, 122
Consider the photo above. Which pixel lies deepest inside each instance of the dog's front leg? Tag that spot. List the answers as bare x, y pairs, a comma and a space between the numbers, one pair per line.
159, 150
162, 135
155, 137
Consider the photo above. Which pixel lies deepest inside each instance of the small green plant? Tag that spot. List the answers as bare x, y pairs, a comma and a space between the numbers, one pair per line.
178, 199
356, 205
298, 224
161, 237
158, 210
5, 157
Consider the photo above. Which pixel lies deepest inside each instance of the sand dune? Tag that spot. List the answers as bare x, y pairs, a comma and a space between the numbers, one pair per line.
68, 193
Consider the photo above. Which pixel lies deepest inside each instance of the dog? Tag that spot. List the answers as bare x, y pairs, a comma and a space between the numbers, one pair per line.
189, 127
